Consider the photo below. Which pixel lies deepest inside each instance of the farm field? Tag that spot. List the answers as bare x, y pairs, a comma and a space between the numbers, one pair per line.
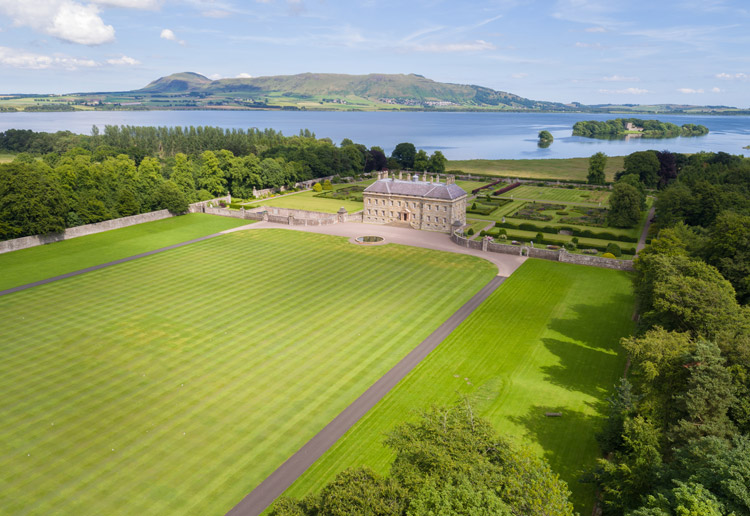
536, 345
567, 195
307, 201
571, 169
45, 261
175, 383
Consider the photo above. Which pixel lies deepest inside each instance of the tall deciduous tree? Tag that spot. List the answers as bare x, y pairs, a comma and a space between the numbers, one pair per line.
31, 203
405, 153
597, 163
624, 206
646, 165
437, 162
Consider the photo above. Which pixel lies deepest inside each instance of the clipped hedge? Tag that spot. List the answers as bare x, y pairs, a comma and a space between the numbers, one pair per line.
586, 233
475, 190
506, 189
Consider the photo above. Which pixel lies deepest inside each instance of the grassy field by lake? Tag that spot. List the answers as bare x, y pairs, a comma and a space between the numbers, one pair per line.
45, 261
174, 384
574, 169
539, 344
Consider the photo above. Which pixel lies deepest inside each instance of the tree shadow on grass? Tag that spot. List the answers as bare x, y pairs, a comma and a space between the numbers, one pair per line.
593, 323
564, 439
582, 369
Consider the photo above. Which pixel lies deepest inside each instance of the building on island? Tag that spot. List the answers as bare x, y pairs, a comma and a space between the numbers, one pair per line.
421, 204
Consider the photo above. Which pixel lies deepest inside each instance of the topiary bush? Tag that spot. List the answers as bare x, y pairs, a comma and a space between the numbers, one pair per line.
470, 232
608, 255
614, 249
318, 187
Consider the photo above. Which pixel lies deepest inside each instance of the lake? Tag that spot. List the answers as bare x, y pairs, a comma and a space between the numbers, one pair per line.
457, 135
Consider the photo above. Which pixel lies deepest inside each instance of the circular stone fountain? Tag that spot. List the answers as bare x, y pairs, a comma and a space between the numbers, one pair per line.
369, 239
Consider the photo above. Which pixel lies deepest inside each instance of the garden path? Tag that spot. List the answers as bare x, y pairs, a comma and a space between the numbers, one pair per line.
646, 227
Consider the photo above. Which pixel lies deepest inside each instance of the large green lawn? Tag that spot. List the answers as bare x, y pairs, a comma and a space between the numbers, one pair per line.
36, 263
569, 169
175, 383
307, 201
546, 341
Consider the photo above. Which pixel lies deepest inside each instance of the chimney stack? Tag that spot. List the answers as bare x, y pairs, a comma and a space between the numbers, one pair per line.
408, 176
400, 175
450, 180
424, 176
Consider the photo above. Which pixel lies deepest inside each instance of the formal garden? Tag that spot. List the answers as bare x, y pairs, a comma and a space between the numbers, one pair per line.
577, 218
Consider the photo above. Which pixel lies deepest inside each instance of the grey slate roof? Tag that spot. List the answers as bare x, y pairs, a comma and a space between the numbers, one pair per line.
416, 189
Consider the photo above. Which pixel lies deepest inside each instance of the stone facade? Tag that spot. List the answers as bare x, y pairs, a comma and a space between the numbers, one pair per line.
421, 204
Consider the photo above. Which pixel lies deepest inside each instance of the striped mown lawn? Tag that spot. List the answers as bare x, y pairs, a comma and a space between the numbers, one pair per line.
546, 341
45, 261
546, 193
175, 383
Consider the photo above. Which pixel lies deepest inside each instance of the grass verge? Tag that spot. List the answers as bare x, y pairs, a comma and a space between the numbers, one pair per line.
546, 341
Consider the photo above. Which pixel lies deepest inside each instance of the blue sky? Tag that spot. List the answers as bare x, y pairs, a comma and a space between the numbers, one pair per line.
591, 51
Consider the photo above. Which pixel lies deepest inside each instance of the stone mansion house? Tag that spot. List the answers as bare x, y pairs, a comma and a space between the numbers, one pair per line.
421, 204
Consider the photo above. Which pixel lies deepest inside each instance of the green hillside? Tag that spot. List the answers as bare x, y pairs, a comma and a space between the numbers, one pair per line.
393, 89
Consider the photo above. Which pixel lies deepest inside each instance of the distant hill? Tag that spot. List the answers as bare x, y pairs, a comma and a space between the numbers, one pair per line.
323, 91
177, 82
393, 89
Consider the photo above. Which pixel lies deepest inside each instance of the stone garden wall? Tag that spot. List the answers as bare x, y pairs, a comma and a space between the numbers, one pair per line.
90, 229
560, 255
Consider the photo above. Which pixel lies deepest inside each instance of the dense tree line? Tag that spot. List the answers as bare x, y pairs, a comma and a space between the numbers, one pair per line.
63, 179
449, 462
677, 439
618, 127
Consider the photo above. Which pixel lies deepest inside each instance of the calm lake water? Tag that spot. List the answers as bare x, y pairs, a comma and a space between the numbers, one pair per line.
457, 135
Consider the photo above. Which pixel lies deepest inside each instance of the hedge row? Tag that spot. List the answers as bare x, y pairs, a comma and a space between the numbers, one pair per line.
551, 241
475, 190
506, 189
585, 233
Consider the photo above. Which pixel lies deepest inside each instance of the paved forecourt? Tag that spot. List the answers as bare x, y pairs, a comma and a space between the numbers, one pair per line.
506, 263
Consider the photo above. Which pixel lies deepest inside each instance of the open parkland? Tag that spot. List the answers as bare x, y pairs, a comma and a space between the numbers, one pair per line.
178, 382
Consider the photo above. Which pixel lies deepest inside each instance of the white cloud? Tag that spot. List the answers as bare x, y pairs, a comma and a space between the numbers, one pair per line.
244, 76
689, 90
169, 35
123, 60
131, 4
715, 90
18, 58
471, 46
64, 19
732, 76
595, 29
214, 76
580, 44
519, 75
215, 13
626, 91
620, 78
